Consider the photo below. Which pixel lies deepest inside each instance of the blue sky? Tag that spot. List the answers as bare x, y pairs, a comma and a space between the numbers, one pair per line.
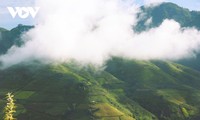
8, 22
191, 4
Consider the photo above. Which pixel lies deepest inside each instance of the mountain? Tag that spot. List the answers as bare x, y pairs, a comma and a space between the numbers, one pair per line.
67, 92
125, 90
12, 37
157, 14
163, 88
3, 29
167, 10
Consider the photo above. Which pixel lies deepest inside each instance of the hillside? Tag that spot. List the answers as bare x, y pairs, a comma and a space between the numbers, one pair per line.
163, 88
12, 37
60, 92
126, 90
2, 29
167, 10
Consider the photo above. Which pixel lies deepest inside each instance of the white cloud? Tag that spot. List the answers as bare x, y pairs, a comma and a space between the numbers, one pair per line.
148, 22
90, 31
168, 41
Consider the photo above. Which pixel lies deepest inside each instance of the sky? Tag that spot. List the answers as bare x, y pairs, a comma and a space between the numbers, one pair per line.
190, 4
6, 21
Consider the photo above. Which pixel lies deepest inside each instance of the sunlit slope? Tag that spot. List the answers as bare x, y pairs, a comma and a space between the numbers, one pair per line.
168, 90
59, 92
126, 90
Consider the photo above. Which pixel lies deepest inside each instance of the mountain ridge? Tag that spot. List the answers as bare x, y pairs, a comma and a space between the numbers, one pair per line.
129, 89
126, 89
9, 38
167, 10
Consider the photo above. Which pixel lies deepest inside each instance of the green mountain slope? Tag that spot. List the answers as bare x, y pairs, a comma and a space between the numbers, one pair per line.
167, 10
12, 37
164, 11
58, 92
126, 90
163, 88
2, 29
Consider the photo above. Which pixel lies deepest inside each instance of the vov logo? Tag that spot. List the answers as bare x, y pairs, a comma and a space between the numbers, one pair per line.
23, 12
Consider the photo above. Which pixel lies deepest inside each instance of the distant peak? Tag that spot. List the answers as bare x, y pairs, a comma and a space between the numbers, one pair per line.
3, 29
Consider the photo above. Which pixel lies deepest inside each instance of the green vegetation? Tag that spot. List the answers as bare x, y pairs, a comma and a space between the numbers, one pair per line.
162, 88
3, 29
61, 92
185, 113
10, 107
126, 90
164, 11
172, 11
12, 37
23, 94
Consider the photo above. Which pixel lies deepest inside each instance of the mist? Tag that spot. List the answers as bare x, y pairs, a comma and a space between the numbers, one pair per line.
91, 31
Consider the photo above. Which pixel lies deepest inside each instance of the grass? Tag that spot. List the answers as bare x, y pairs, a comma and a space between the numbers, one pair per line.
23, 94
129, 89
173, 95
108, 112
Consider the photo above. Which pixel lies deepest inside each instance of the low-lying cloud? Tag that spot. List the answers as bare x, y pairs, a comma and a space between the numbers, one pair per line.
91, 31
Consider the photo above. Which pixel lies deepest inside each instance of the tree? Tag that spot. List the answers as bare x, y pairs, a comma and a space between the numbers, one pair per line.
10, 107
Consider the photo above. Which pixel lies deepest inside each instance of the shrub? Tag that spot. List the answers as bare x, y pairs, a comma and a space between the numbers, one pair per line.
10, 107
